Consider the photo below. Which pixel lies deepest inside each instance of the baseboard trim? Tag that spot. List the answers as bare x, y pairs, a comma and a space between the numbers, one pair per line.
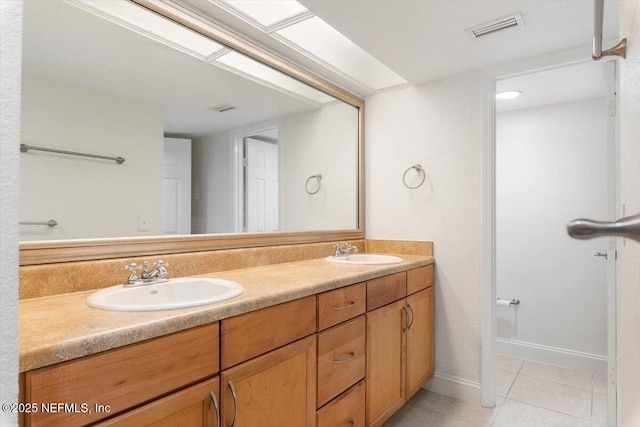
457, 388
553, 355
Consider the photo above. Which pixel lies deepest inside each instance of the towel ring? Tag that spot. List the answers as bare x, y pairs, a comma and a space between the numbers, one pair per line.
318, 178
418, 169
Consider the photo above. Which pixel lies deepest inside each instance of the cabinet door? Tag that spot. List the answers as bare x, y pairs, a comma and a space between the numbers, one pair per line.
194, 406
385, 362
419, 340
274, 390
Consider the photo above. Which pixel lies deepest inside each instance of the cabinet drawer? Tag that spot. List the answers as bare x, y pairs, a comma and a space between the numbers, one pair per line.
386, 290
347, 410
124, 377
340, 305
419, 278
252, 334
341, 358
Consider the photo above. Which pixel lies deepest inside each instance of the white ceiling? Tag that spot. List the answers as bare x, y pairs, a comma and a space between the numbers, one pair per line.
421, 40
424, 40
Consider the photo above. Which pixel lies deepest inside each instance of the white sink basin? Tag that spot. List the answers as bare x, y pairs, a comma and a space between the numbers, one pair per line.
370, 259
176, 293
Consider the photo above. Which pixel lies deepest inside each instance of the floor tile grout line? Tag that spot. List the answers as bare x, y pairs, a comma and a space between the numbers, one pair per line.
548, 409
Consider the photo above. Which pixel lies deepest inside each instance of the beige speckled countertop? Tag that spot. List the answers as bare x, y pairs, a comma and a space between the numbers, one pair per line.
60, 328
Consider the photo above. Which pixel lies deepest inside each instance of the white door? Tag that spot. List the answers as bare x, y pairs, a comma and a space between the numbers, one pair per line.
262, 185
177, 186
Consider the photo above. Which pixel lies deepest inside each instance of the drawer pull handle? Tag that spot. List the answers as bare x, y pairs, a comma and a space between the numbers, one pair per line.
215, 405
351, 356
235, 403
343, 307
352, 423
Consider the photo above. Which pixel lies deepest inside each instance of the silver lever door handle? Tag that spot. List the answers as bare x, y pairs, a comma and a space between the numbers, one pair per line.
603, 254
628, 227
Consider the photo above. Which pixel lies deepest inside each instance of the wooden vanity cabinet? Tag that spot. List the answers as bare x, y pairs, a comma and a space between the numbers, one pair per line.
278, 387
347, 357
122, 378
399, 341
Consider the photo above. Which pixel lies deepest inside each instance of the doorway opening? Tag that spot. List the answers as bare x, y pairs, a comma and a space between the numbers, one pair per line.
553, 322
258, 197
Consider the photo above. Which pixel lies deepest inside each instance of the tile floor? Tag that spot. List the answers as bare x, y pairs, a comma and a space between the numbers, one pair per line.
530, 394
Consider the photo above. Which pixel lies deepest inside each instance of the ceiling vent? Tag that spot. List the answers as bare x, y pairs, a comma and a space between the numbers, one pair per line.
494, 26
223, 108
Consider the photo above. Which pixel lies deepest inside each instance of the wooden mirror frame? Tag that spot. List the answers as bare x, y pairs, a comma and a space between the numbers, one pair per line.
55, 251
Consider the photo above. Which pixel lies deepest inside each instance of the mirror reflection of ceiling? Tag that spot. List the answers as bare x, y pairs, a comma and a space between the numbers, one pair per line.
112, 78
118, 61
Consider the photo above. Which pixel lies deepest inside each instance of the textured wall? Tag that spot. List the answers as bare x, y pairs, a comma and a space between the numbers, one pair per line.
10, 68
629, 252
438, 125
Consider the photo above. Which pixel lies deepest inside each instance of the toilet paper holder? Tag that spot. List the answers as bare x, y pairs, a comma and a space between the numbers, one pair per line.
514, 301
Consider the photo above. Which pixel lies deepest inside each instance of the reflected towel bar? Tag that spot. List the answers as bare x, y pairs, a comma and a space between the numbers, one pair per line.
318, 179
50, 223
418, 168
618, 50
24, 148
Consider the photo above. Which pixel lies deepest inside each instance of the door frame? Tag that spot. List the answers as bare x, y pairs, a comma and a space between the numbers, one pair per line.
237, 136
489, 323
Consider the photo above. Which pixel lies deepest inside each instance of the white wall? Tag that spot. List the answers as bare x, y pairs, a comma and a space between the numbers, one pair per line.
89, 197
211, 188
438, 125
320, 141
551, 167
10, 69
629, 252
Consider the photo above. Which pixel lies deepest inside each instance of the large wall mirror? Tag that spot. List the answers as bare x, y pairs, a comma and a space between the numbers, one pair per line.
141, 135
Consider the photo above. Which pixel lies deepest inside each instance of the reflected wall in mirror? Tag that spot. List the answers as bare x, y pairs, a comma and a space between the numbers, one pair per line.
213, 141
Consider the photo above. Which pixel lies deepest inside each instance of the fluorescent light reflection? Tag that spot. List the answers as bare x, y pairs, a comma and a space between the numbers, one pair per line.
151, 25
317, 38
267, 13
508, 94
260, 73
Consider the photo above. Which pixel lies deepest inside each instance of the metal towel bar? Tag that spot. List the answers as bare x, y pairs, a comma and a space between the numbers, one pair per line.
24, 148
50, 223
618, 50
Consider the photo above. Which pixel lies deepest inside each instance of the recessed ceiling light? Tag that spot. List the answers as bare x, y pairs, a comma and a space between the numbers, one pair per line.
508, 94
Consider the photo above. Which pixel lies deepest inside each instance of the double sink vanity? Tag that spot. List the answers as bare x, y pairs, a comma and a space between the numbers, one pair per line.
303, 343
260, 327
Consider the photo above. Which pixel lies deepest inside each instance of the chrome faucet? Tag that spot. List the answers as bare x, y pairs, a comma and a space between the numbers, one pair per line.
157, 274
158, 270
342, 249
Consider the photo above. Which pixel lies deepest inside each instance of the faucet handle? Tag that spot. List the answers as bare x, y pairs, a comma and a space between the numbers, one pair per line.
133, 267
162, 271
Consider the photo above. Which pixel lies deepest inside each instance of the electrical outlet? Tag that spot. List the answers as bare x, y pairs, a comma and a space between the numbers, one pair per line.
143, 222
